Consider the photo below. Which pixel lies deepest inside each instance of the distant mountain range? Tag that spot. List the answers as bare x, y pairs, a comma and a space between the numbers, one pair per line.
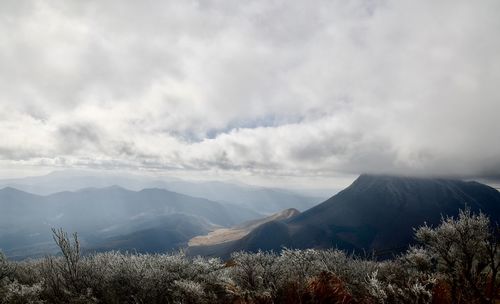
107, 213
260, 199
375, 213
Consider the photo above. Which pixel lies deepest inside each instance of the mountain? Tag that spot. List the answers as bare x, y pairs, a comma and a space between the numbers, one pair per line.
223, 235
376, 213
99, 214
74, 180
259, 199
180, 231
166, 233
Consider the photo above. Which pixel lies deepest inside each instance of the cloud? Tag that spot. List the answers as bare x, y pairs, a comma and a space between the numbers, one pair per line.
261, 87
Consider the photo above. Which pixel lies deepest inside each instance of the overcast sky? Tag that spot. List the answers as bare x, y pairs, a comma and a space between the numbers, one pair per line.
268, 89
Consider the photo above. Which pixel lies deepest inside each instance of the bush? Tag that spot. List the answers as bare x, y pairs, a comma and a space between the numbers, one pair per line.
457, 262
467, 256
5, 267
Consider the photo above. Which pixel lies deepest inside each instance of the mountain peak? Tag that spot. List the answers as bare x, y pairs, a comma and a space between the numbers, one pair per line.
375, 213
10, 189
287, 213
114, 188
14, 191
368, 177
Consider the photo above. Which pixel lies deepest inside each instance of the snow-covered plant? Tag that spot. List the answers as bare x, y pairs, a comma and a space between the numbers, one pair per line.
187, 291
256, 274
467, 254
5, 267
16, 293
402, 282
417, 259
461, 251
376, 287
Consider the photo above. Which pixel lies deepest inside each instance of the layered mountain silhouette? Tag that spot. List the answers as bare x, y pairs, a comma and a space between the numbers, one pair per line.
260, 199
107, 213
376, 213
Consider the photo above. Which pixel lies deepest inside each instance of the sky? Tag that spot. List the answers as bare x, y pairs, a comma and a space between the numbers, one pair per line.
275, 91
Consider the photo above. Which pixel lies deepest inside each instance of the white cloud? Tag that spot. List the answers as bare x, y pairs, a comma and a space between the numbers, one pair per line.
259, 87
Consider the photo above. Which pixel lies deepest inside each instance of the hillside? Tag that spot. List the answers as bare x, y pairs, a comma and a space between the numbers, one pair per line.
223, 235
100, 214
375, 213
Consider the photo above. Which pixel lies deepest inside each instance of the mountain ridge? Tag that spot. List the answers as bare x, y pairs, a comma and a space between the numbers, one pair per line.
375, 213
261, 199
224, 235
97, 214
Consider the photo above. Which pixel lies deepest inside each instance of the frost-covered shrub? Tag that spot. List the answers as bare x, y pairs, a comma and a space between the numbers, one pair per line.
256, 276
417, 259
460, 251
305, 272
160, 278
405, 279
16, 293
62, 277
398, 281
27, 272
350, 269
467, 255
5, 267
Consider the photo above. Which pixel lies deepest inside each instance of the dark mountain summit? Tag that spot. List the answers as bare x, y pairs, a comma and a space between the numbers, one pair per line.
380, 212
375, 213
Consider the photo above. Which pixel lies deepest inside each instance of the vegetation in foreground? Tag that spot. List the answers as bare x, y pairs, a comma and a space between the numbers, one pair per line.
457, 262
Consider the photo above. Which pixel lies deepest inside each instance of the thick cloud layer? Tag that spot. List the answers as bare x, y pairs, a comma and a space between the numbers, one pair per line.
284, 88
